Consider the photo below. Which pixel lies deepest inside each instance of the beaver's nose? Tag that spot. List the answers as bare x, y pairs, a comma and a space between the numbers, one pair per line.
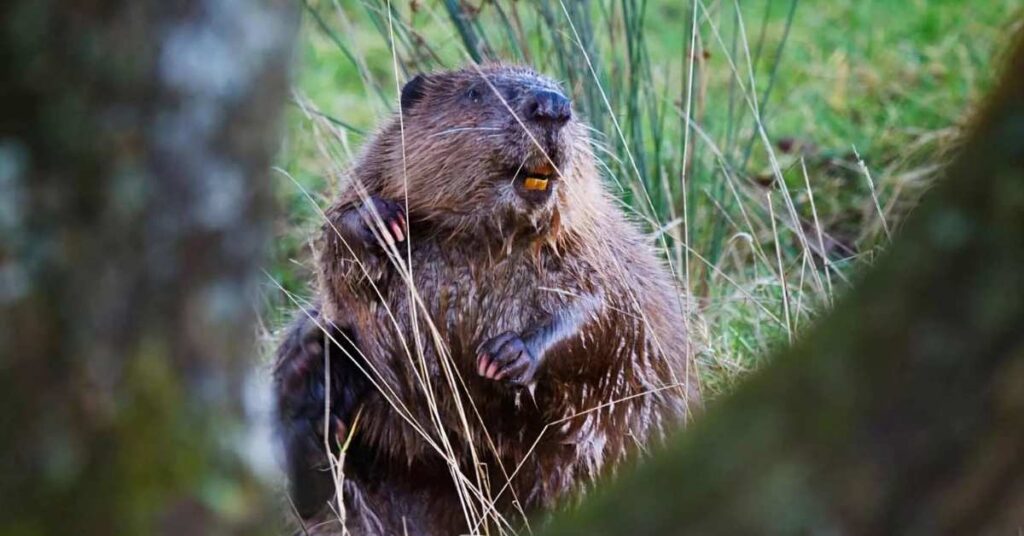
549, 107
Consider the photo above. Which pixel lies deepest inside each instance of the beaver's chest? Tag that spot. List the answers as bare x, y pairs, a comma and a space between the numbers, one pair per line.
462, 295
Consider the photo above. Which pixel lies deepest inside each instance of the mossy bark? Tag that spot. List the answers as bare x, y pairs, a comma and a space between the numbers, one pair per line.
135, 139
901, 412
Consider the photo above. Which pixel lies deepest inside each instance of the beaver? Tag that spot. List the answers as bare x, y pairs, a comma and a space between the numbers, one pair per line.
499, 334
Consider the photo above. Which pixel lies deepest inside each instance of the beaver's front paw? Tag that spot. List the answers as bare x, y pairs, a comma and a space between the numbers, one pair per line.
507, 358
381, 218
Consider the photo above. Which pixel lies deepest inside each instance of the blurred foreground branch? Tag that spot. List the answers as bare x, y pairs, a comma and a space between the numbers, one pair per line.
134, 143
902, 412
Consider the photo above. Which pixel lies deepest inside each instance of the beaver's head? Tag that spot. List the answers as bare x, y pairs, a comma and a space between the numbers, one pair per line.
492, 146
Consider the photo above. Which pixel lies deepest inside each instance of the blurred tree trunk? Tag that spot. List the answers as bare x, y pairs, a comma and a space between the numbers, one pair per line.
902, 412
135, 138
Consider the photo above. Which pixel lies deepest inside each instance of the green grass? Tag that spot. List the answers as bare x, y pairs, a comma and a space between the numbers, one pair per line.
894, 80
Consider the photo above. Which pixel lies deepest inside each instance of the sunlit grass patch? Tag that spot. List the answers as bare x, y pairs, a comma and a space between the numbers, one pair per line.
780, 97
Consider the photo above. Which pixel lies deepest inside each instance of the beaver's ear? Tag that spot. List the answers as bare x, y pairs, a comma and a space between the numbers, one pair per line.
413, 91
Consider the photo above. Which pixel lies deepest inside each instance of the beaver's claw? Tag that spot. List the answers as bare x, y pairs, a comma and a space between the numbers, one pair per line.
507, 358
383, 222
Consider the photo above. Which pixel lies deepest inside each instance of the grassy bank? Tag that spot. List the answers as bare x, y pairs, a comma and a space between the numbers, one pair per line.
770, 148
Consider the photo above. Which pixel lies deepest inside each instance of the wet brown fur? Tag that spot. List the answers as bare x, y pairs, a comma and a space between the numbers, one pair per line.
483, 263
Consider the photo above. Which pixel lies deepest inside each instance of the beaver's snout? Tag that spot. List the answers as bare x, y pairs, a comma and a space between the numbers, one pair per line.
544, 111
549, 108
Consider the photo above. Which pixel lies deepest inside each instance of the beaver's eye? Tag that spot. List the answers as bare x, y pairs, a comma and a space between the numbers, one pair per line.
474, 94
